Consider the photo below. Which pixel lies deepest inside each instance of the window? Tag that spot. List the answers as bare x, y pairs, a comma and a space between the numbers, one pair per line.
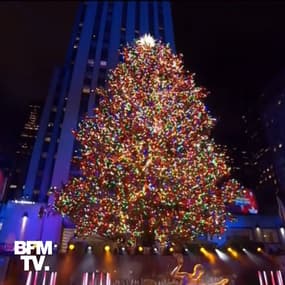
104, 54
44, 155
103, 63
86, 90
239, 234
270, 236
87, 81
90, 62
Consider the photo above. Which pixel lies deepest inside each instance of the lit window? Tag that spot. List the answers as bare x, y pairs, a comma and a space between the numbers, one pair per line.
90, 62
103, 63
86, 90
270, 236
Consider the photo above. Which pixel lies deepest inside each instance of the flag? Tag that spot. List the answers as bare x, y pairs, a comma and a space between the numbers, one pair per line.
281, 209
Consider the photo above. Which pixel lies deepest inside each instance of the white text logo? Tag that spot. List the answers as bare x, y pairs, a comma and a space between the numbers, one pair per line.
34, 251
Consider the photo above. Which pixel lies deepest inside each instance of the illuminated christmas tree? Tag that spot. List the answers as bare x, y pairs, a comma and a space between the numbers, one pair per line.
147, 159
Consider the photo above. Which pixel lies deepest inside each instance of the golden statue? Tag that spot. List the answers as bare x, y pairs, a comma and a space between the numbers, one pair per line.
194, 278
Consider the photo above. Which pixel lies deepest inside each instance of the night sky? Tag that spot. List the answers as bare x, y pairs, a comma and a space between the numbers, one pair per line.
234, 47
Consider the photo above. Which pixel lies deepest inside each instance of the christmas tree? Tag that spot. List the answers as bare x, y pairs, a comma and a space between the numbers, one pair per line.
147, 160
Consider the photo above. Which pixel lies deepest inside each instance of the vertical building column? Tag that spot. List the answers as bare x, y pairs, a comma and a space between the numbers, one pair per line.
144, 15
130, 31
168, 27
65, 147
37, 150
115, 35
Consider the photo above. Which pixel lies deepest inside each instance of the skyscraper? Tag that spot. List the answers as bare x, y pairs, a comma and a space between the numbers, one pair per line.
273, 115
100, 29
23, 152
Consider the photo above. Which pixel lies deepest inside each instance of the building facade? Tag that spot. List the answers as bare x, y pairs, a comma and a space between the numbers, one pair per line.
273, 117
252, 164
24, 148
100, 29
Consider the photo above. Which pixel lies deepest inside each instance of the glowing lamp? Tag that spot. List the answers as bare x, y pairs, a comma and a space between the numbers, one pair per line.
140, 248
107, 248
71, 246
171, 249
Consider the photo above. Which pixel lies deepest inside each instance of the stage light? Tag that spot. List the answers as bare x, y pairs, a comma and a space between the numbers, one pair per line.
140, 248
210, 256
222, 255
155, 249
259, 249
55, 245
244, 249
71, 246
107, 248
232, 252
171, 249
89, 248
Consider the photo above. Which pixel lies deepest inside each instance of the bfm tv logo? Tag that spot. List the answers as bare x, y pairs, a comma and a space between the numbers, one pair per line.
25, 248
